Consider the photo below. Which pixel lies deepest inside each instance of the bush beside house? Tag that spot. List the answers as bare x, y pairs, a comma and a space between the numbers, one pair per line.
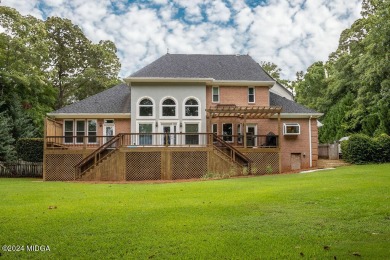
362, 149
30, 149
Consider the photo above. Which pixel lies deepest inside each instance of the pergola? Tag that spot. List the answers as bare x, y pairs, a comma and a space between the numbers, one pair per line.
245, 112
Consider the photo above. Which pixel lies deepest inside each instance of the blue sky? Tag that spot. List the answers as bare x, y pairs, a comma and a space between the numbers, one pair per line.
291, 33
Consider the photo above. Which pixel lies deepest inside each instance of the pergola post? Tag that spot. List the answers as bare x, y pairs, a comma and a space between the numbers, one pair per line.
244, 129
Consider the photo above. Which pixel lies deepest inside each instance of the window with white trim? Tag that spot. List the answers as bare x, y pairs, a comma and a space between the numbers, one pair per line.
169, 107
68, 131
191, 138
145, 107
291, 129
80, 131
191, 107
215, 94
92, 131
251, 95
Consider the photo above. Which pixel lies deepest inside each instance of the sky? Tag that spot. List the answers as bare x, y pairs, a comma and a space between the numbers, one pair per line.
290, 33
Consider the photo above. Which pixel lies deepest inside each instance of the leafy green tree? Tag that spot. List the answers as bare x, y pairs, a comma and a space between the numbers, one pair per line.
79, 67
312, 88
274, 71
7, 149
45, 65
355, 92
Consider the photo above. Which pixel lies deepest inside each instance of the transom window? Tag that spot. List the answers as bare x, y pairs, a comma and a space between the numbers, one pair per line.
191, 107
146, 107
169, 107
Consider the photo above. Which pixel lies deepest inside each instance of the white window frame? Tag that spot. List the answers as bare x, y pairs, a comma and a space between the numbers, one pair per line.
200, 140
212, 94
176, 108
136, 141
73, 140
199, 108
87, 128
254, 95
240, 136
153, 108
285, 128
75, 130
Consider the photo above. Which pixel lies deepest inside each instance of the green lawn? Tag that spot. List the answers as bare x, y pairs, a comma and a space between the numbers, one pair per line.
343, 213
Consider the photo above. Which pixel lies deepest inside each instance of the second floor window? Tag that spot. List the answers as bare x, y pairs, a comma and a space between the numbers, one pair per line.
146, 107
169, 107
215, 94
251, 95
191, 107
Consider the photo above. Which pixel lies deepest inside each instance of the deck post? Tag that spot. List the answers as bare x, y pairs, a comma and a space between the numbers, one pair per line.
44, 148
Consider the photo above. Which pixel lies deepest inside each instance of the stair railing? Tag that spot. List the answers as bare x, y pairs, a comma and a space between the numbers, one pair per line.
98, 155
234, 154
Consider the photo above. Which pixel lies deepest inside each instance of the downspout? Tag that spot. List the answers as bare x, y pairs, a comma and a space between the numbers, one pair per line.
310, 145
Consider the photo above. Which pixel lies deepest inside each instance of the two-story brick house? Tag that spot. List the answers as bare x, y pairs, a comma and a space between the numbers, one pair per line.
180, 117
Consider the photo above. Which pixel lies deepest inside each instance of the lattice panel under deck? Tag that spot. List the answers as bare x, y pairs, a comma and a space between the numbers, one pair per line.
188, 165
264, 163
60, 167
143, 166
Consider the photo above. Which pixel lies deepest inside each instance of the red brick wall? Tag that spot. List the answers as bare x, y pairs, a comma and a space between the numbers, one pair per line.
238, 96
300, 144
122, 125
289, 144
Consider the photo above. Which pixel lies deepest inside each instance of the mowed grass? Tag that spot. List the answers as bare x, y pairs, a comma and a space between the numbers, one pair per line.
343, 213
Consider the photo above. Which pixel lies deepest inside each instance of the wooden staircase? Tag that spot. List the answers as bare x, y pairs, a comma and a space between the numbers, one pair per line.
231, 153
98, 156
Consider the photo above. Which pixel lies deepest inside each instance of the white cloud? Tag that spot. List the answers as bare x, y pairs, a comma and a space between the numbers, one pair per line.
293, 34
218, 12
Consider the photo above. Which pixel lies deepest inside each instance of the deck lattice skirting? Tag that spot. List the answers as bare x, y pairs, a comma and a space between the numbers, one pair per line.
137, 164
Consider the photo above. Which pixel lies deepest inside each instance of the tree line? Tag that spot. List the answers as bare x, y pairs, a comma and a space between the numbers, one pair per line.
45, 65
352, 87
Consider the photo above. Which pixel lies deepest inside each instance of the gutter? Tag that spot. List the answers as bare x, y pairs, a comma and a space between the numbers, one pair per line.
208, 81
89, 115
299, 115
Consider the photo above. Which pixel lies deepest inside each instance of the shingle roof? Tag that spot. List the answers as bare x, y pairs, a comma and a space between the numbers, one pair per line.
218, 67
112, 100
289, 106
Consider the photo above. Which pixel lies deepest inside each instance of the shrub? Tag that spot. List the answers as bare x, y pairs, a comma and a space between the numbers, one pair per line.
30, 149
360, 149
383, 147
344, 145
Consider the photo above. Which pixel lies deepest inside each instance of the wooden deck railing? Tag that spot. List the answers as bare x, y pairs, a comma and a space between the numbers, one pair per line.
161, 139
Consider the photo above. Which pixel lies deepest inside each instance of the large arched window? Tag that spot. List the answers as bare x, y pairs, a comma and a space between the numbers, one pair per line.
191, 107
146, 107
169, 107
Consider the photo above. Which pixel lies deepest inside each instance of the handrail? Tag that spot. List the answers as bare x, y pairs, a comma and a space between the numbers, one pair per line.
233, 151
96, 155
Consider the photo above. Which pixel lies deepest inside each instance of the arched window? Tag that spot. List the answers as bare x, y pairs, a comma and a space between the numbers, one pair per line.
146, 107
191, 107
169, 107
